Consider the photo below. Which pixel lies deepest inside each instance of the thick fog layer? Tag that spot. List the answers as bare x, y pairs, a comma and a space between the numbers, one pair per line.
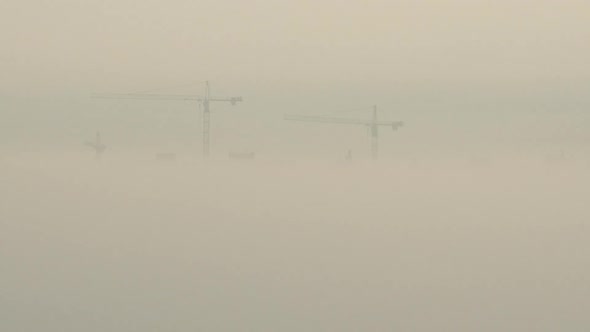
293, 246
473, 218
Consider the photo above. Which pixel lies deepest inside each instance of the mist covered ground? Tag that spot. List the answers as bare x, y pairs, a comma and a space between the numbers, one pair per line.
293, 245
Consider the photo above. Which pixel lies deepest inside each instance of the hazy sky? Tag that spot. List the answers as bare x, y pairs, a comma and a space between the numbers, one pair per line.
66, 46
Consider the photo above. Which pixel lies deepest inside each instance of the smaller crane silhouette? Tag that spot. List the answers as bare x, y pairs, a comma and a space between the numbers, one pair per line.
373, 125
97, 146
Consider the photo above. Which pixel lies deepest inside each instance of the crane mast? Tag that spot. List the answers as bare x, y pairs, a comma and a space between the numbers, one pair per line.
97, 146
374, 135
206, 122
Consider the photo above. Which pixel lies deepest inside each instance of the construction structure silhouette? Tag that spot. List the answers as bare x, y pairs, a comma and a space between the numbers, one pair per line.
205, 101
97, 146
373, 125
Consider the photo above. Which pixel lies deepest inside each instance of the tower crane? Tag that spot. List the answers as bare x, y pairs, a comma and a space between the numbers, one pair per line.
97, 146
205, 100
373, 125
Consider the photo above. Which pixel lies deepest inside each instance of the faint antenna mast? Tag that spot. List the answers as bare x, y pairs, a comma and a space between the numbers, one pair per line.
97, 146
